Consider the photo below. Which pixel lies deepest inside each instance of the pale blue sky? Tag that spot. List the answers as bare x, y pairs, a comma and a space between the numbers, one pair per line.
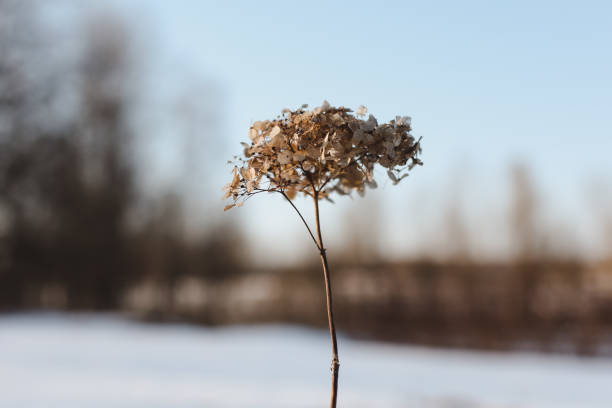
486, 83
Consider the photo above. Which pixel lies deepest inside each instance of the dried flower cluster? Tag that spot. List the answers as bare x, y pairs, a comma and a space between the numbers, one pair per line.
321, 151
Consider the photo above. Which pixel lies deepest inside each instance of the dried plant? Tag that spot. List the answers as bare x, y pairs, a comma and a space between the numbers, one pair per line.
317, 153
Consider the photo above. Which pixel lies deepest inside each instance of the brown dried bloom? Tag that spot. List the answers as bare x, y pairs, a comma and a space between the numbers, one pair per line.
320, 152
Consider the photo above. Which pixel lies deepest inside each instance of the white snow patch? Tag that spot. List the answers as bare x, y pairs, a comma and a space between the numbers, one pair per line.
68, 361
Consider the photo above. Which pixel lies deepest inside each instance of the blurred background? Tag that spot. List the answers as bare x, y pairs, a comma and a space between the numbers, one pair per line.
483, 280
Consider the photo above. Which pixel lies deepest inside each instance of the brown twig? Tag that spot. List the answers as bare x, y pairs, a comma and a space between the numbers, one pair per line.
303, 220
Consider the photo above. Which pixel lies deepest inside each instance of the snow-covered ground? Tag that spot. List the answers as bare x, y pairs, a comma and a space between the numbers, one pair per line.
70, 361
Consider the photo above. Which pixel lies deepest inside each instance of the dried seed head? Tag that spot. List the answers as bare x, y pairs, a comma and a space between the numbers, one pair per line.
322, 151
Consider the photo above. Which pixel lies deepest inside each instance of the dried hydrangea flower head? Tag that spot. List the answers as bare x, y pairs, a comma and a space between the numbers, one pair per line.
323, 151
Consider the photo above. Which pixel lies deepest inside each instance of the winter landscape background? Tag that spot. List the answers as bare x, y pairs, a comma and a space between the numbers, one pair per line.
483, 280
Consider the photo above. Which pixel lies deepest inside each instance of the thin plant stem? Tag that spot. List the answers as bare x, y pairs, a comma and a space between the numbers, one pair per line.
335, 365
303, 220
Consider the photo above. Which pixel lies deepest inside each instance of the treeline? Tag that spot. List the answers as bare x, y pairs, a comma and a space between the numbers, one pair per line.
553, 306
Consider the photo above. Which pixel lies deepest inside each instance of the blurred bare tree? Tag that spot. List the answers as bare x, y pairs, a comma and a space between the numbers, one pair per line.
66, 188
68, 182
523, 214
363, 231
457, 240
600, 196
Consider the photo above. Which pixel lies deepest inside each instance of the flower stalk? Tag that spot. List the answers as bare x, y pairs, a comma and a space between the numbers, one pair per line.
335, 365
